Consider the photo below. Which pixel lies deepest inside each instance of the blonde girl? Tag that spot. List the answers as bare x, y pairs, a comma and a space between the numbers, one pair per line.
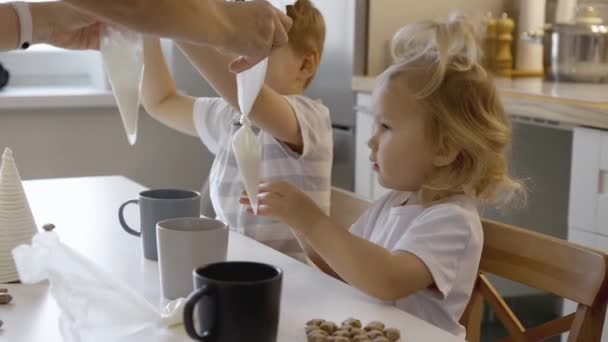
439, 146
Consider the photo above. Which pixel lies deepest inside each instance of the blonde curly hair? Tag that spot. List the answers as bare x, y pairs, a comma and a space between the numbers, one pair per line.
438, 62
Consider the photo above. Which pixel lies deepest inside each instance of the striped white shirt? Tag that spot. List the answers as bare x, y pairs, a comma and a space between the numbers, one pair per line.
216, 121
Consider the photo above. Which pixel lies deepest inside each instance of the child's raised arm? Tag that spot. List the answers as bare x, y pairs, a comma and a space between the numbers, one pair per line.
271, 111
159, 96
363, 264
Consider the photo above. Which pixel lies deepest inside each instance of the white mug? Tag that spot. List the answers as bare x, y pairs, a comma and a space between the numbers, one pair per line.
185, 244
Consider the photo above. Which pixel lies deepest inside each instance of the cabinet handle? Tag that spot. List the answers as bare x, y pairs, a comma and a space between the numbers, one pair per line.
602, 183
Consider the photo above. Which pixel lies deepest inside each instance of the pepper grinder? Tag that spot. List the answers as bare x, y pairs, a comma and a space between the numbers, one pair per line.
503, 62
489, 42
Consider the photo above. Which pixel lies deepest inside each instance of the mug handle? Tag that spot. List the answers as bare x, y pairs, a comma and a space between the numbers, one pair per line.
123, 222
191, 302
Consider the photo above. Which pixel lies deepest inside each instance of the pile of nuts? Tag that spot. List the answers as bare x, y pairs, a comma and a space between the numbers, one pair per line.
5, 298
351, 330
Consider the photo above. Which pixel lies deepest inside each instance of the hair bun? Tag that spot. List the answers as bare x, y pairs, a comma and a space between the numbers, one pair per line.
298, 7
451, 42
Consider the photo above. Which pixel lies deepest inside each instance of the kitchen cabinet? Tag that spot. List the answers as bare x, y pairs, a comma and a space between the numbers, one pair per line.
588, 207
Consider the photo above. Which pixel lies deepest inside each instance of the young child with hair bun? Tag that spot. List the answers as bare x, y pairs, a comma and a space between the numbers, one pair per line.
294, 131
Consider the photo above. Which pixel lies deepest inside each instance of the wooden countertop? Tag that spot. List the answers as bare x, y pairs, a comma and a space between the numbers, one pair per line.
575, 104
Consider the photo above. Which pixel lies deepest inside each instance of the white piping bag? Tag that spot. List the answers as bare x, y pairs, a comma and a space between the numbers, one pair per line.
122, 54
246, 146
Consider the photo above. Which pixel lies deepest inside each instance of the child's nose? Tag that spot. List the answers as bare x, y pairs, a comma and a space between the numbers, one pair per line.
372, 143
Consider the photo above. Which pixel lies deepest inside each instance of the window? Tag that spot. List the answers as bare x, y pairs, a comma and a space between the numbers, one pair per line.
44, 65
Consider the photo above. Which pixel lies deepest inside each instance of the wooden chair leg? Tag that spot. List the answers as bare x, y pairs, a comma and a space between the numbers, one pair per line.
550, 329
588, 324
471, 318
508, 319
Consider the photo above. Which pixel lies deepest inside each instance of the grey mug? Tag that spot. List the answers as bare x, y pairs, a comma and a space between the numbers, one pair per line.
159, 205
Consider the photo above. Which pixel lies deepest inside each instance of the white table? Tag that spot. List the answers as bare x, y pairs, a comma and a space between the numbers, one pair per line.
85, 213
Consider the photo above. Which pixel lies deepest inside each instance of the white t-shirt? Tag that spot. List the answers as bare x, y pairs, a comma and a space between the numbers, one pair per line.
447, 237
216, 121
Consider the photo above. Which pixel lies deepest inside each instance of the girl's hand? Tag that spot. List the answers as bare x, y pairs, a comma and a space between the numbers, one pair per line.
284, 202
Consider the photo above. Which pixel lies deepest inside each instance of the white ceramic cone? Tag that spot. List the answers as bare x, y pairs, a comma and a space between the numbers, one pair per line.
17, 225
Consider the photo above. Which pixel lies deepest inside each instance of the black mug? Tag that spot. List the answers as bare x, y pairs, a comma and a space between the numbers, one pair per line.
4, 76
237, 302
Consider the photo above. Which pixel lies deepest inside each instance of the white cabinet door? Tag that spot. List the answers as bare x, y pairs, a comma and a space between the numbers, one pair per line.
583, 238
584, 179
588, 207
365, 126
601, 224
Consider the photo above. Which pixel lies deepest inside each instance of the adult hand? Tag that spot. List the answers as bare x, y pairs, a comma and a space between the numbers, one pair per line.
253, 29
63, 26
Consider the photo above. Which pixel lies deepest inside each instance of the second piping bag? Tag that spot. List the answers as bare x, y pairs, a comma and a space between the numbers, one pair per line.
246, 146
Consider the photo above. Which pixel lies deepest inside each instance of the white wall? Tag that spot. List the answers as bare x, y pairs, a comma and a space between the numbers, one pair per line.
91, 142
540, 156
387, 16
75, 143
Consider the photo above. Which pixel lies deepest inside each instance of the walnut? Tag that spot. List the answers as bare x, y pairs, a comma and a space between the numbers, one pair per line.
358, 331
338, 339
5, 298
318, 331
317, 338
374, 326
361, 338
329, 327
392, 334
372, 334
342, 332
310, 328
352, 322
381, 339
316, 322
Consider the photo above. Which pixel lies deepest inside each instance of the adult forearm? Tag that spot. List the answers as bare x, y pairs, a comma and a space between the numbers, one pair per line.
44, 21
158, 83
194, 21
9, 28
213, 66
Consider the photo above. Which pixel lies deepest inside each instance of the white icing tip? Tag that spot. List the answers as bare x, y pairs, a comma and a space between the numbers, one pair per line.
8, 153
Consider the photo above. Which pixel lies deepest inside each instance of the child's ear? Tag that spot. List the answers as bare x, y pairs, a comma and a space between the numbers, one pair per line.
310, 62
445, 154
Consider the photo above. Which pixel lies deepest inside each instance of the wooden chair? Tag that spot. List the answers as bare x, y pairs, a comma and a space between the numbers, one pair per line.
565, 269
346, 207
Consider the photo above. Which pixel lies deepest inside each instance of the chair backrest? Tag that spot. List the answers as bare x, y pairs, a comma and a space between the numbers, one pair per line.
346, 207
565, 269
